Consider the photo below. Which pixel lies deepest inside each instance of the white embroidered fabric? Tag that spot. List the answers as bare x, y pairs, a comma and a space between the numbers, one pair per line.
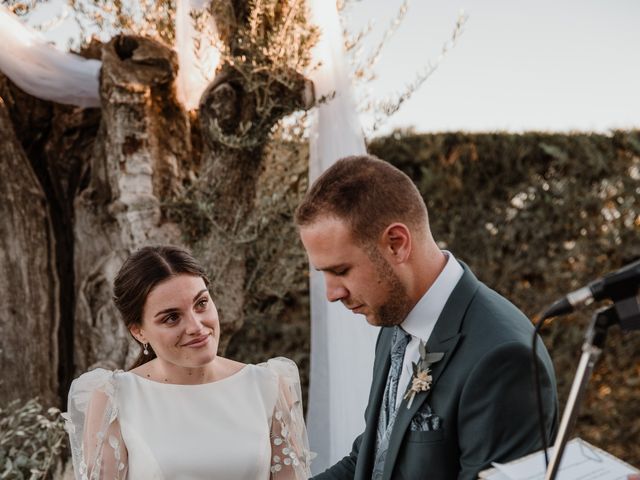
247, 426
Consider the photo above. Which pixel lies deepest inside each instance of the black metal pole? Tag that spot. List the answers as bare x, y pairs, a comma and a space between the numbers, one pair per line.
591, 351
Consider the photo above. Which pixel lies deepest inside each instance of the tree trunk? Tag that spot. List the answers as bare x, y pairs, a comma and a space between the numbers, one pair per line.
139, 149
85, 188
29, 311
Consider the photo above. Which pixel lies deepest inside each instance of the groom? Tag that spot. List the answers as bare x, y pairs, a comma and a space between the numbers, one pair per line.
468, 399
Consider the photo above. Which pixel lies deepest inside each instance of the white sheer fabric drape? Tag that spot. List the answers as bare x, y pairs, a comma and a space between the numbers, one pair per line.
342, 344
196, 68
42, 70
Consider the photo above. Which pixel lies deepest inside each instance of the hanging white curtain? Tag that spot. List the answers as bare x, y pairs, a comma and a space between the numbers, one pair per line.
42, 70
342, 344
196, 68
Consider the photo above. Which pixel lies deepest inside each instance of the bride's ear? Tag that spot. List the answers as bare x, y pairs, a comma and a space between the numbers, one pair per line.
136, 331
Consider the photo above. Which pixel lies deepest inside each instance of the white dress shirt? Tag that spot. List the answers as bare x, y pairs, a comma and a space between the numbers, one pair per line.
423, 317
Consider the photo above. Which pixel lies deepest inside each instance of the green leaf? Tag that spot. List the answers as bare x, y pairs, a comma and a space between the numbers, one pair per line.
423, 349
432, 358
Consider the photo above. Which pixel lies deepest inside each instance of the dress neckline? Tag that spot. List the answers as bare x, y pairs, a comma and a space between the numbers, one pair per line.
193, 385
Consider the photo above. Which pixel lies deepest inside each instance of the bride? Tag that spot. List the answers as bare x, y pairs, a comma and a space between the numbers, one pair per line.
182, 411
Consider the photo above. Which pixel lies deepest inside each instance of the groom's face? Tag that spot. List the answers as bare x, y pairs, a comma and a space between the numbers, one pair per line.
358, 276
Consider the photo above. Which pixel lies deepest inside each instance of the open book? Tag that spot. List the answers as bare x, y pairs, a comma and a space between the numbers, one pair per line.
581, 460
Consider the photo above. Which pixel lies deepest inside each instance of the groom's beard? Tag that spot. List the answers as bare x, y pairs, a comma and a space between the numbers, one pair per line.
397, 304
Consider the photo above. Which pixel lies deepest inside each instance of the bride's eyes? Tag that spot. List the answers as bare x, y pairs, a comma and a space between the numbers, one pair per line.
171, 318
202, 304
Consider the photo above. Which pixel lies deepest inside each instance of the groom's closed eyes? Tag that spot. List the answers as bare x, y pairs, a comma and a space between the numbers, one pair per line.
337, 270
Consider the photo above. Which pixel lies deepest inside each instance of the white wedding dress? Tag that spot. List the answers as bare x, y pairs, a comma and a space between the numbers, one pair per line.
244, 427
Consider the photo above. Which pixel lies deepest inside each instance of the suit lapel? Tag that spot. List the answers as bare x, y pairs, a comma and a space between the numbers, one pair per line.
381, 367
445, 338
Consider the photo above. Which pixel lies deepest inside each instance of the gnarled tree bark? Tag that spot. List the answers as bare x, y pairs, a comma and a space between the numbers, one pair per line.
85, 188
29, 311
136, 160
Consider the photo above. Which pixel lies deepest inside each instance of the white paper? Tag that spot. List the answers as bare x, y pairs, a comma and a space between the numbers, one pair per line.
581, 460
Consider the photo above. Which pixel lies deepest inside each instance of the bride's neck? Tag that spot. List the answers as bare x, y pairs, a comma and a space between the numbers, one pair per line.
166, 372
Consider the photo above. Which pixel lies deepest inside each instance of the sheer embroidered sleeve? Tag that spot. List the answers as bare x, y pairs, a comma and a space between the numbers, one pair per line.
97, 449
290, 454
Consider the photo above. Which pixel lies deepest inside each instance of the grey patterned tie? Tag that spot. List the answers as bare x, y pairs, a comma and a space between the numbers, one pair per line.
388, 407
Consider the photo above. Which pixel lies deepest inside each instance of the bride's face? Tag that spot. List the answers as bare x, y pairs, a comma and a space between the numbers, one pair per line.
180, 322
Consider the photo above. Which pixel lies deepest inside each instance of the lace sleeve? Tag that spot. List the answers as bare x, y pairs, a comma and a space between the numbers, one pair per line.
97, 448
290, 454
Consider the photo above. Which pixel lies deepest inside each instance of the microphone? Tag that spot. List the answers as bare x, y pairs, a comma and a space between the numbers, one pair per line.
615, 286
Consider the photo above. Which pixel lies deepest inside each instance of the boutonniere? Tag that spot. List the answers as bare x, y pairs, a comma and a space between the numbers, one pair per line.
421, 380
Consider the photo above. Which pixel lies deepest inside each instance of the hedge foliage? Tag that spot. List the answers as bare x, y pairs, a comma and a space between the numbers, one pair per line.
534, 215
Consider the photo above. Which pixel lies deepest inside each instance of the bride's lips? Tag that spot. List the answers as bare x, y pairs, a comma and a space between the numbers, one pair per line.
198, 342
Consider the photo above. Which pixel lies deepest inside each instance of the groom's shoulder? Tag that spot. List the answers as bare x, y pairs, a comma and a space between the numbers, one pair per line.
494, 317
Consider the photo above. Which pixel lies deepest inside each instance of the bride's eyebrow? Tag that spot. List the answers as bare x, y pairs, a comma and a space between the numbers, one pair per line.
166, 310
173, 309
199, 294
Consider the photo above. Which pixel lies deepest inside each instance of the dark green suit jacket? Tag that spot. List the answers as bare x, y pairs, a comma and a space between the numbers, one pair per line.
482, 392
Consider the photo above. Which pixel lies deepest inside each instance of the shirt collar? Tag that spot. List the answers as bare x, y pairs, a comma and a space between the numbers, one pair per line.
424, 315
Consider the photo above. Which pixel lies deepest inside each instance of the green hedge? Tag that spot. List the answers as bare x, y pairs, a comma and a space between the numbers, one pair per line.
535, 216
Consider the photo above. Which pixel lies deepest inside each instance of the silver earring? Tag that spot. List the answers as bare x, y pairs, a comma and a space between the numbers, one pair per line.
145, 350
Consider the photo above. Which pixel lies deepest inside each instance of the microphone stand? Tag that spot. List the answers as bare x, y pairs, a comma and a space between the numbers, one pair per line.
625, 312
591, 351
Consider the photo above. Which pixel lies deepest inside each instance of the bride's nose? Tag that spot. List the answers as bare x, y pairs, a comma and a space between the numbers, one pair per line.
193, 323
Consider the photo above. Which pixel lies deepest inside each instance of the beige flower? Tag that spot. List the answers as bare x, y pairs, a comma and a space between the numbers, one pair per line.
422, 379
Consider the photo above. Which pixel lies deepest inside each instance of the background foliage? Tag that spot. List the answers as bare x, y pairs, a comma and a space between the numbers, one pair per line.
32, 441
534, 215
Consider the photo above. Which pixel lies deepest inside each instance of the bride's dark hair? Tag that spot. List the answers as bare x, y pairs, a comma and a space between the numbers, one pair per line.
140, 273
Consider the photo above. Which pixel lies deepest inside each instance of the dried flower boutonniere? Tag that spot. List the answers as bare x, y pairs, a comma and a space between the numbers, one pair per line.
422, 379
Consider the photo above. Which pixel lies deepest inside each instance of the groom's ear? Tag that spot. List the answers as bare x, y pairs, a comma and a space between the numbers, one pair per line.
396, 242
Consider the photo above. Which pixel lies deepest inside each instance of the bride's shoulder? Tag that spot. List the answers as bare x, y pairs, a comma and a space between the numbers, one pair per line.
231, 366
95, 378
99, 381
282, 367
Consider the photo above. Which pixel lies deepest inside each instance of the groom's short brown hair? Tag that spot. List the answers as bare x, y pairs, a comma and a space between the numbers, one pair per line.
366, 192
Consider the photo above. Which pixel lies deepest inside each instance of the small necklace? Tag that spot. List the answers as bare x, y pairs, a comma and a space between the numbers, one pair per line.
167, 379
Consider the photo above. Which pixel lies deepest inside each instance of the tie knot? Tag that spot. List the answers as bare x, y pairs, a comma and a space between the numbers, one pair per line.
400, 341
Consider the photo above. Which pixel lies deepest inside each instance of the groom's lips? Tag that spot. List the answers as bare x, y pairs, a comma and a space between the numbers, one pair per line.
355, 309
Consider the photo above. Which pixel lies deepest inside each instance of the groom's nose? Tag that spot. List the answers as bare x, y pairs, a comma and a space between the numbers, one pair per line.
335, 290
